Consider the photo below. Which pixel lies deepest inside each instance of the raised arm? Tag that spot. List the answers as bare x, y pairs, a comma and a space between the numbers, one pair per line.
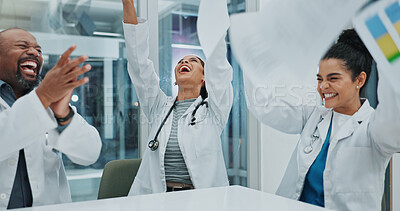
384, 126
218, 79
274, 104
140, 67
129, 11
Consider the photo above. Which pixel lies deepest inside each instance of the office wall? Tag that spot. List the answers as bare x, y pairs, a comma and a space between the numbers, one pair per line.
275, 152
276, 149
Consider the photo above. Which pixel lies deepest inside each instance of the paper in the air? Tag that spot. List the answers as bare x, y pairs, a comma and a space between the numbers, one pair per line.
212, 24
379, 27
282, 44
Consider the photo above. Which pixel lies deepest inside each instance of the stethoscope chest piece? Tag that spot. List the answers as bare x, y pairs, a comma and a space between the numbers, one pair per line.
153, 144
308, 149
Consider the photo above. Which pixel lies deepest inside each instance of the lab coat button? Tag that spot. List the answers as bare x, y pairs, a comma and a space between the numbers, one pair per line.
3, 196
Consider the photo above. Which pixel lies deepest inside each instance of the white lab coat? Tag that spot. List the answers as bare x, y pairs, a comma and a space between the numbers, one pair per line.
29, 126
200, 144
358, 153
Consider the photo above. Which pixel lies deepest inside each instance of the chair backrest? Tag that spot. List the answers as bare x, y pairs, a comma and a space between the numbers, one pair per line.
117, 178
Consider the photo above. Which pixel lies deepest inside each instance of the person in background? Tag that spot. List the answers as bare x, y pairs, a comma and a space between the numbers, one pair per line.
184, 144
37, 124
345, 146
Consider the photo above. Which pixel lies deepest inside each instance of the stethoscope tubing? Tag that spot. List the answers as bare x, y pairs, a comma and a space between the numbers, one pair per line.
154, 143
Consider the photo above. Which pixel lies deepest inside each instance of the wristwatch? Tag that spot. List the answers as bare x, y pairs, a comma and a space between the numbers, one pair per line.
68, 117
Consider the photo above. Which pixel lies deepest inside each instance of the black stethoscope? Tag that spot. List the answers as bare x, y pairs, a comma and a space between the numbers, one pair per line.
153, 144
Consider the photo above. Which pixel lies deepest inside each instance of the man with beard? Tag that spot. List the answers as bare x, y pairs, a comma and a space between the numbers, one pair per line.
37, 124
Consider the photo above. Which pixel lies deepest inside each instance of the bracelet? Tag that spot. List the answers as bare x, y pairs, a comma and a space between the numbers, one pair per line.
68, 117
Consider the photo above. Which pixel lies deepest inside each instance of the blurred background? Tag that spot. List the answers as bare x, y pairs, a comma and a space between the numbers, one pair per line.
256, 156
109, 101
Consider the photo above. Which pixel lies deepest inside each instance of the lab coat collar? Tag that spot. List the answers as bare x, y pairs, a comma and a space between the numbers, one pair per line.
350, 126
3, 103
193, 106
361, 115
364, 112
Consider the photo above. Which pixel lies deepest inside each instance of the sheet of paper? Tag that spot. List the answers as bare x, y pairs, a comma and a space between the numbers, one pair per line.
212, 24
282, 44
379, 28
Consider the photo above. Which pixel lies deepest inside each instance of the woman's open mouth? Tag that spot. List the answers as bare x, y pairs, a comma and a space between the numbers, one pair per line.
184, 69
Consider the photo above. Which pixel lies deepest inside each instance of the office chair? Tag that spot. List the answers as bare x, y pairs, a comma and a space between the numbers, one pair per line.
117, 178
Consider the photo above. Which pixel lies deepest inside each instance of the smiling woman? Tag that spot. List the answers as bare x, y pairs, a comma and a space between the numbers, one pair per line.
343, 72
345, 145
187, 151
189, 75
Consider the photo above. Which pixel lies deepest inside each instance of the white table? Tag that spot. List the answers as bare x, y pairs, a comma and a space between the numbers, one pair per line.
232, 198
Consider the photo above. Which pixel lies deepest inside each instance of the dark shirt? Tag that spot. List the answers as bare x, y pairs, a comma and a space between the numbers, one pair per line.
21, 194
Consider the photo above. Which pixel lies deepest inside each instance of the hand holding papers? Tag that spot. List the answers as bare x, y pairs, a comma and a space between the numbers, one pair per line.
379, 28
212, 24
283, 43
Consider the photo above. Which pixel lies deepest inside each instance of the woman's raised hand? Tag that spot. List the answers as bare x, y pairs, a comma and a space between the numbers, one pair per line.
129, 12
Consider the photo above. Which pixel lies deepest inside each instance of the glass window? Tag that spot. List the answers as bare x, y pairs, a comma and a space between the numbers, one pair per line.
177, 38
108, 101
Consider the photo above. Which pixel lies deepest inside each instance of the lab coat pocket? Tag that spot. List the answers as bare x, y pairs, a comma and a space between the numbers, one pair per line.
354, 172
206, 142
52, 158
